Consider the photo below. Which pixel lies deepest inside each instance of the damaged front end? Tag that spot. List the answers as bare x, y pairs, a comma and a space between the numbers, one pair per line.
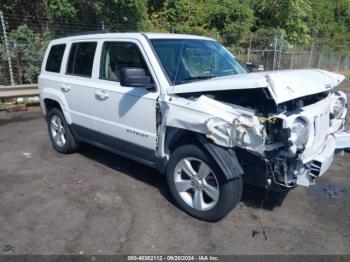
240, 129
312, 130
279, 141
225, 125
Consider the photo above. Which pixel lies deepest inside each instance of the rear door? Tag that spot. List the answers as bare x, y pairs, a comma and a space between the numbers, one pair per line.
77, 86
125, 116
51, 76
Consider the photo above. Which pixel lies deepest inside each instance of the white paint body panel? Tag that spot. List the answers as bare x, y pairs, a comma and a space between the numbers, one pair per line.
226, 125
343, 140
126, 111
283, 85
81, 90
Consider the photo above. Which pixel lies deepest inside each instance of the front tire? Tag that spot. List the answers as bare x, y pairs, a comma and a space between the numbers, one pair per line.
60, 134
198, 185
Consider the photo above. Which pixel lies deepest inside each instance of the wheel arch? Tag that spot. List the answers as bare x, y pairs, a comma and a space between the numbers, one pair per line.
225, 158
50, 103
53, 99
176, 137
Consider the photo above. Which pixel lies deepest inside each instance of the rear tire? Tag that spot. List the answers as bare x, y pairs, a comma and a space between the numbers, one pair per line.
60, 134
198, 185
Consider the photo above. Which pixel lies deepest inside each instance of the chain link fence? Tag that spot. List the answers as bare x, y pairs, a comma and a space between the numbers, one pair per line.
5, 78
23, 41
299, 59
21, 49
276, 54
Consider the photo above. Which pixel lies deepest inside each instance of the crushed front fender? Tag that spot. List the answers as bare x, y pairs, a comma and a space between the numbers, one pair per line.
226, 125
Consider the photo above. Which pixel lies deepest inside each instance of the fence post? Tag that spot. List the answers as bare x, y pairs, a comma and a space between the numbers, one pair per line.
249, 50
248, 55
280, 53
319, 64
291, 59
312, 49
311, 53
338, 63
274, 53
7, 47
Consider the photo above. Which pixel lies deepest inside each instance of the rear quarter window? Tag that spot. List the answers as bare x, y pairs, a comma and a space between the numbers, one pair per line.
81, 59
54, 58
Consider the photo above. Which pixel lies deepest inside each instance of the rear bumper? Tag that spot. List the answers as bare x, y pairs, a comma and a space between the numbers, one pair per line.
322, 162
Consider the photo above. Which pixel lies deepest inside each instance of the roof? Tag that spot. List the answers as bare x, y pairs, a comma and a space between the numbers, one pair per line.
135, 35
174, 36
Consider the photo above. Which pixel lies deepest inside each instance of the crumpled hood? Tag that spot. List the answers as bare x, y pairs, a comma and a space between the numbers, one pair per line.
284, 85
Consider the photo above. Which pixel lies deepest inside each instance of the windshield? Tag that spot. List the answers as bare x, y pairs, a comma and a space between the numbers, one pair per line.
187, 60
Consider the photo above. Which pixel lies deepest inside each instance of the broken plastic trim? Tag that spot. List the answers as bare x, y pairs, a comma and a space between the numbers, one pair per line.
226, 125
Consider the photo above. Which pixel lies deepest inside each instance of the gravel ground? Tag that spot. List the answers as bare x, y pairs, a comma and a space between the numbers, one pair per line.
95, 202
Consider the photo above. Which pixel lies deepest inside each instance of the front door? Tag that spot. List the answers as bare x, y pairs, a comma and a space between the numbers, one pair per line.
125, 116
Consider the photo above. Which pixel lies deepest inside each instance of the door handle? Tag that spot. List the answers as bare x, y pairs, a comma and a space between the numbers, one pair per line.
65, 88
101, 94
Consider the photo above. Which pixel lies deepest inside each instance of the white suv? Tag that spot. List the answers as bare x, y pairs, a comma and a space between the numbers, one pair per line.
184, 105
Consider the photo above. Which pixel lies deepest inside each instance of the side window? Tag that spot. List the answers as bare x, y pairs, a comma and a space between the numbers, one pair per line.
81, 58
53, 63
116, 55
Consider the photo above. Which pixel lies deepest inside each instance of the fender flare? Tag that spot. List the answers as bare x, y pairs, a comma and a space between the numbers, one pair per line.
225, 158
59, 98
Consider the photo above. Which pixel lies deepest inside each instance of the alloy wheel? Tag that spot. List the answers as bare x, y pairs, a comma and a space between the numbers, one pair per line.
58, 131
196, 183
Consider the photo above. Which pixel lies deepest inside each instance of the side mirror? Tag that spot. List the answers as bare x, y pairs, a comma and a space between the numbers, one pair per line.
135, 77
254, 67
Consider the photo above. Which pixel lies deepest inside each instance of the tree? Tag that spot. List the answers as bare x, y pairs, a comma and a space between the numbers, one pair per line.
231, 19
68, 16
330, 18
289, 16
228, 20
26, 51
173, 11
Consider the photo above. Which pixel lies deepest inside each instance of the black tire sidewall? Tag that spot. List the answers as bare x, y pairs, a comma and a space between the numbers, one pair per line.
70, 140
230, 190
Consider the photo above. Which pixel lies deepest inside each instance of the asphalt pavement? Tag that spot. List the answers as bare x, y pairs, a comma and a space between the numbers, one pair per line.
95, 202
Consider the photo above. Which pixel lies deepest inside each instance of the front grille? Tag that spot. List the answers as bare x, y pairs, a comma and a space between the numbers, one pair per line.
319, 120
321, 129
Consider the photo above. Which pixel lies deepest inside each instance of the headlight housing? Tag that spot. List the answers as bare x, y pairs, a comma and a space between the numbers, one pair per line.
300, 133
339, 107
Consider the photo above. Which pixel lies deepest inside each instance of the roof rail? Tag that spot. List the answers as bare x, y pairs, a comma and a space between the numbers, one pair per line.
85, 33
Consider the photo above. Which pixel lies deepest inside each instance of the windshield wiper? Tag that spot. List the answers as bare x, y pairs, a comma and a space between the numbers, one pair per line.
197, 78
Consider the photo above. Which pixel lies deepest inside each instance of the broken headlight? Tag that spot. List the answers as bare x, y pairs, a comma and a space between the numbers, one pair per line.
300, 133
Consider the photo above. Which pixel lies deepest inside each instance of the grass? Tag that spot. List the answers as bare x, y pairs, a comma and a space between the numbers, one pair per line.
346, 82
346, 74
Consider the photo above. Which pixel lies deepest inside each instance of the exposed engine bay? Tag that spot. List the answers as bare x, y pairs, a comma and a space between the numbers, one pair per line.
258, 99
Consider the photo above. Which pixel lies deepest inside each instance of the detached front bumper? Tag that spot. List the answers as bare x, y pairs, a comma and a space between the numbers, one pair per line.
322, 162
342, 140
